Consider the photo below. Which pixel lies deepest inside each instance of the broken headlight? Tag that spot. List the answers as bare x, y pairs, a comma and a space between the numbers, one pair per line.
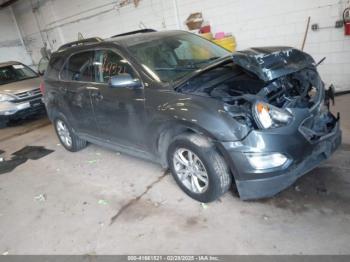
269, 116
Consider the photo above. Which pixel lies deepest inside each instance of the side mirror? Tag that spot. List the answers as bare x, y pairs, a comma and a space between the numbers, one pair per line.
124, 80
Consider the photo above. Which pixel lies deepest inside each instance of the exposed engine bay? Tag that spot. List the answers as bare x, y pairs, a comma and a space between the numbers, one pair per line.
261, 90
235, 86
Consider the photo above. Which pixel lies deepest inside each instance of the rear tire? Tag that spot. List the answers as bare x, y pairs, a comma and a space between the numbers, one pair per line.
206, 176
67, 137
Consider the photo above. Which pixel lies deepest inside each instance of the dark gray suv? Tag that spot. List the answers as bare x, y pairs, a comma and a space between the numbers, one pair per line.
257, 119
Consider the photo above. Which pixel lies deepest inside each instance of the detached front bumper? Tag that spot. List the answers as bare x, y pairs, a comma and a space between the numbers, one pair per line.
303, 155
11, 110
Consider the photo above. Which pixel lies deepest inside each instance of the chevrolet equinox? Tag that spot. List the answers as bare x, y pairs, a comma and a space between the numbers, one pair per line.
256, 119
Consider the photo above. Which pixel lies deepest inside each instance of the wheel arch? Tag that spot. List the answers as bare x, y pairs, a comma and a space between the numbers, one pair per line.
173, 129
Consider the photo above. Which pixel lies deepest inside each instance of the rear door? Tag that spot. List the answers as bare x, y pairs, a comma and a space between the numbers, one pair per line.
119, 112
76, 77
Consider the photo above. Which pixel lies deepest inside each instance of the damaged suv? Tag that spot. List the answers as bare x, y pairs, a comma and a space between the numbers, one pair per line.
257, 119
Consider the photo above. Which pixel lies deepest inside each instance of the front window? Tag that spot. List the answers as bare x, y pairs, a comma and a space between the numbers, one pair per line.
108, 64
174, 56
14, 73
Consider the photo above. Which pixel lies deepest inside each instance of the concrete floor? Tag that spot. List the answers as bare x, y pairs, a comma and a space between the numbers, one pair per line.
81, 193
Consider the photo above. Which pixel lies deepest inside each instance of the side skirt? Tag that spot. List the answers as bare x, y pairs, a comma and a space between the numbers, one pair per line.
120, 148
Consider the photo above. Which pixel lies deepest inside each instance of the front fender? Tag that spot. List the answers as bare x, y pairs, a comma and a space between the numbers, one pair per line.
202, 115
205, 115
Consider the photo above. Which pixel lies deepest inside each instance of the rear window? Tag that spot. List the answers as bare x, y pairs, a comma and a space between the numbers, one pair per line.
55, 65
79, 67
14, 73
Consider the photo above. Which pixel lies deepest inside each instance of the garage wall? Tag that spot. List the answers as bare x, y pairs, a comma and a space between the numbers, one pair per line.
275, 22
253, 22
11, 47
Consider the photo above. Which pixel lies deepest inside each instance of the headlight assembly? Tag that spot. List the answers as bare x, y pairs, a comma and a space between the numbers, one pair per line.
269, 116
5, 98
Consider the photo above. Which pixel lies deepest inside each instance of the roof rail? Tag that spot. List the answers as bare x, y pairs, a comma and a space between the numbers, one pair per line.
80, 42
147, 30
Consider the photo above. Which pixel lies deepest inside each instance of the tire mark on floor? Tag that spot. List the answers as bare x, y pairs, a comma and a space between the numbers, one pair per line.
136, 199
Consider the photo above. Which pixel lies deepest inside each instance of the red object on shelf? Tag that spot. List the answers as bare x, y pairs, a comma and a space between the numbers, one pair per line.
205, 29
346, 19
347, 28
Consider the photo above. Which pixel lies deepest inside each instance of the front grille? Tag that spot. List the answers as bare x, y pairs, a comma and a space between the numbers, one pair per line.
28, 95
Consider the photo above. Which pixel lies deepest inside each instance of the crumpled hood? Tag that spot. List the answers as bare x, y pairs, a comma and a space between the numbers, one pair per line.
269, 63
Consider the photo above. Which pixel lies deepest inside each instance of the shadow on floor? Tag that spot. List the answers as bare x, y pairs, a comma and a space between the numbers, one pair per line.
27, 120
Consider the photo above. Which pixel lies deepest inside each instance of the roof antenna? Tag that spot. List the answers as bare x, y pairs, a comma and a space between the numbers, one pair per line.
320, 62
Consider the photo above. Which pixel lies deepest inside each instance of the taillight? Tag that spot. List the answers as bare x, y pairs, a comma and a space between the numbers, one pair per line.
42, 87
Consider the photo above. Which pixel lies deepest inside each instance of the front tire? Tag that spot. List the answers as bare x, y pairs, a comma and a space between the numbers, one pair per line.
197, 167
67, 137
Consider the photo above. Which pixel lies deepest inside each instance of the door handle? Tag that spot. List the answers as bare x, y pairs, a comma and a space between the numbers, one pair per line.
97, 96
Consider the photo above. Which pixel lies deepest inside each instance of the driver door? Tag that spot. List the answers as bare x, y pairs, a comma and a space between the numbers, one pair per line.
119, 111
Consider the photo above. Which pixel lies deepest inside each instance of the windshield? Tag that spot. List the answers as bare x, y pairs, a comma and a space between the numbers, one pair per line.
13, 73
174, 56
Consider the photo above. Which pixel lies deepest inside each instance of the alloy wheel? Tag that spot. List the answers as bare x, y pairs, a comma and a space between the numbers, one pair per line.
190, 170
63, 133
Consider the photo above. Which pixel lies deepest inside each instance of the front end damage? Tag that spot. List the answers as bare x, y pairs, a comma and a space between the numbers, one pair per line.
278, 93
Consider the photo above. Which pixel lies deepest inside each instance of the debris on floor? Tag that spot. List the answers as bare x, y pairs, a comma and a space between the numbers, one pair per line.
40, 198
5, 253
102, 202
322, 191
297, 188
204, 205
265, 217
94, 161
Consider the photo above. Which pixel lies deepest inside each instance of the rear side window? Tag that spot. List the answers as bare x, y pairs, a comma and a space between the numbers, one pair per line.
79, 67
